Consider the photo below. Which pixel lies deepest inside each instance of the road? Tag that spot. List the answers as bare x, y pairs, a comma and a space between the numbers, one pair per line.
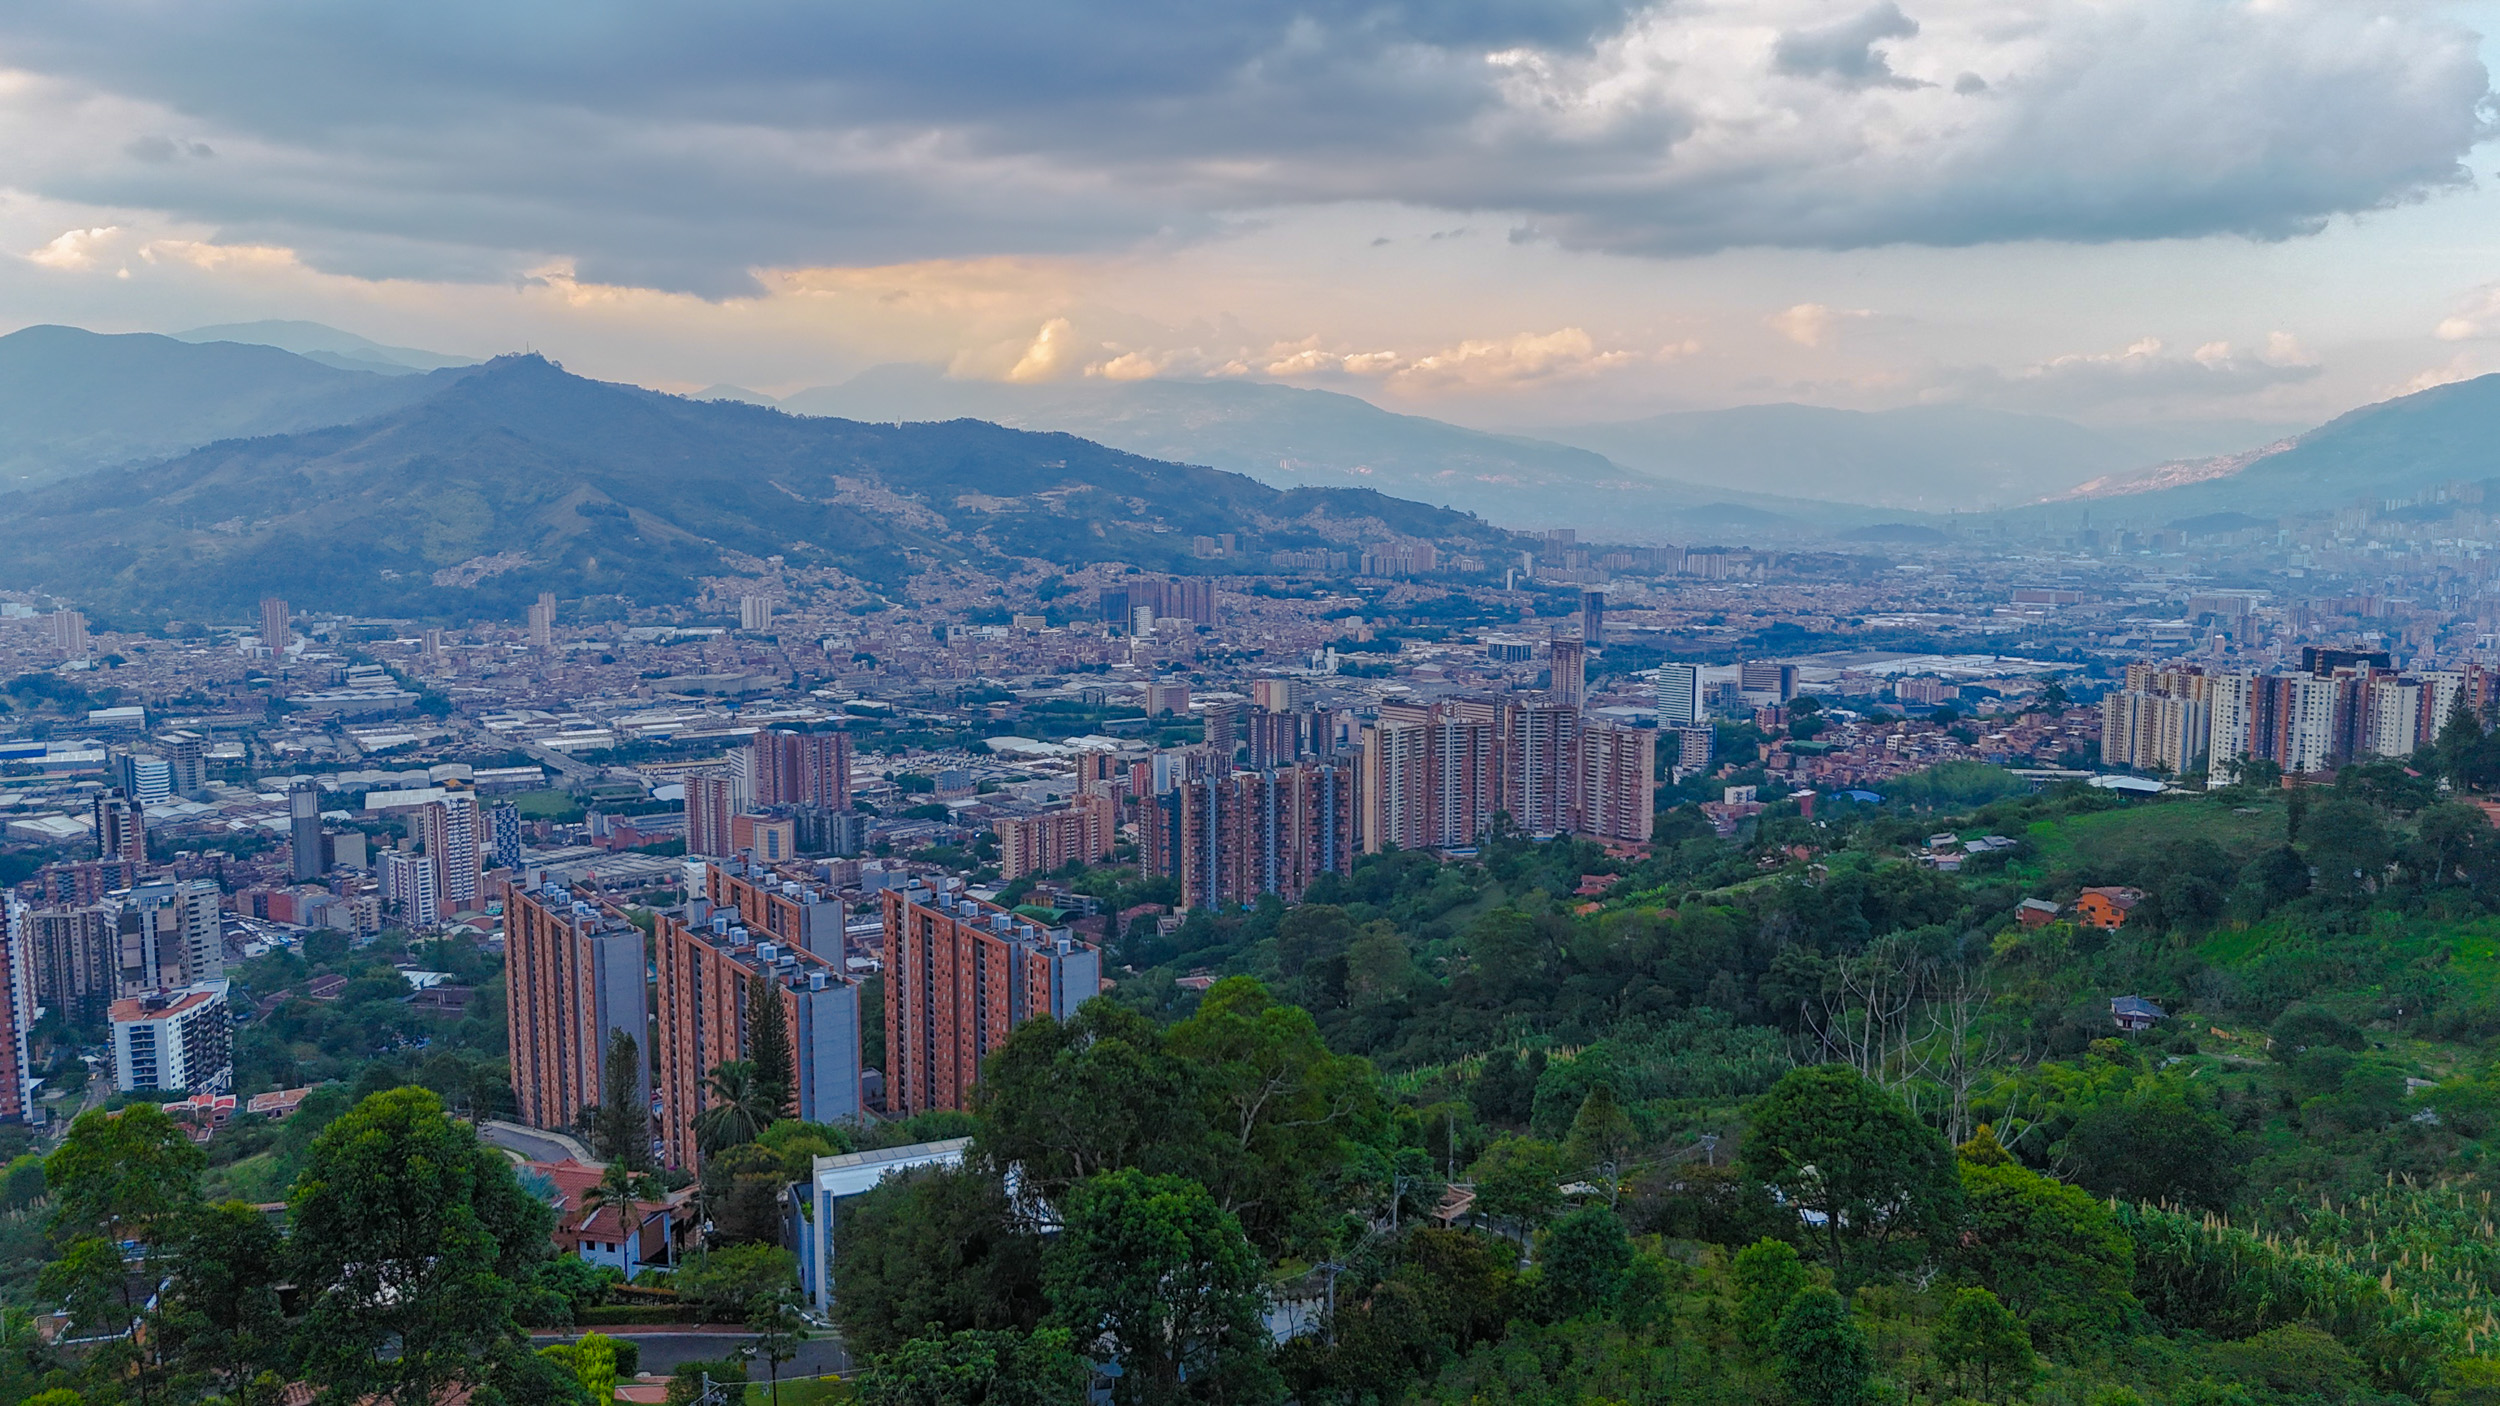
664, 1348
537, 1144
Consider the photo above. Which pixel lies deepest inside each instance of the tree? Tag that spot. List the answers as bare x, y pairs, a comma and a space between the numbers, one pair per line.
1601, 1133
1976, 1337
1823, 1359
1837, 1145
2051, 1252
723, 1283
624, 1191
2157, 1142
1519, 1179
774, 1320
1582, 1260
768, 1047
742, 1190
413, 1246
220, 1314
1152, 1268
1067, 1100
620, 1127
933, 1248
1273, 1099
2349, 845
737, 1106
977, 1367
131, 1175
1768, 1274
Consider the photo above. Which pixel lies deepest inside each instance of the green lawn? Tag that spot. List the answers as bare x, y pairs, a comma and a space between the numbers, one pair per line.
802, 1391
2118, 838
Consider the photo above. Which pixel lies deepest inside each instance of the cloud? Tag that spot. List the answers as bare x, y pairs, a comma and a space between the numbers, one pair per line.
687, 149
1515, 361
1846, 52
1811, 324
75, 249
2476, 318
1046, 357
2144, 373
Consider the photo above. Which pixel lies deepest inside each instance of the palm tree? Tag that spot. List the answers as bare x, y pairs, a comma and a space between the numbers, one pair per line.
741, 1108
624, 1189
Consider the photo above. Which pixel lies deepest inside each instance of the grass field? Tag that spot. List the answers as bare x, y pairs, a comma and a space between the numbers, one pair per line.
802, 1391
2119, 839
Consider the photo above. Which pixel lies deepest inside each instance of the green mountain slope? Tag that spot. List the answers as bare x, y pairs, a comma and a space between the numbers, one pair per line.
517, 477
2394, 449
73, 400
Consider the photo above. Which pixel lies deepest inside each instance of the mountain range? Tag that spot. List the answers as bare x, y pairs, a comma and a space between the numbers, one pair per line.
72, 400
515, 477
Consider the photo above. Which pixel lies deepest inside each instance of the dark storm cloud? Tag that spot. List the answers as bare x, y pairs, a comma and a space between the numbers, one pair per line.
680, 146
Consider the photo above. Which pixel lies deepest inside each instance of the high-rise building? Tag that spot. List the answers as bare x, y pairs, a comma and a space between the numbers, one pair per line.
802, 769
771, 839
1617, 784
1166, 697
168, 1041
146, 778
574, 978
275, 634
755, 614
961, 974
1569, 688
186, 757
68, 955
543, 621
167, 932
1243, 834
1223, 731
1038, 844
783, 910
303, 809
1542, 777
2161, 721
17, 1013
1279, 695
69, 634
1679, 694
506, 830
1765, 681
1593, 618
408, 886
709, 809
448, 831
1430, 777
704, 973
1276, 738
1693, 746
120, 828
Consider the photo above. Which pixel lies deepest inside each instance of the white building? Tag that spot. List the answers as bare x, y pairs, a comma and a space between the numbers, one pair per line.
1679, 695
174, 1040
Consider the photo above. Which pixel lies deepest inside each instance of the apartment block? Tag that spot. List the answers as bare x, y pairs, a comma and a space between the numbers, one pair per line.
17, 1013
167, 933
704, 968
178, 1040
1038, 844
960, 974
786, 910
802, 769
1251, 833
575, 975
1618, 786
709, 809
67, 955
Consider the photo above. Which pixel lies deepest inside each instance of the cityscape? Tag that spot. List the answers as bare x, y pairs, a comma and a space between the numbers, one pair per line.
1543, 705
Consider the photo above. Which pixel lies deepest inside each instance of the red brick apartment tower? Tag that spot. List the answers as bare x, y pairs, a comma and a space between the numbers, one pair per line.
573, 973
959, 975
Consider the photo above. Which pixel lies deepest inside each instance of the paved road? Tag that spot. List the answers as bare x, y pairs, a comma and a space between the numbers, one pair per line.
664, 1349
536, 1144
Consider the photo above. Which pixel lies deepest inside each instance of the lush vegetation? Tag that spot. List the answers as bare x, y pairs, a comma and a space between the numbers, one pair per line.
1803, 1117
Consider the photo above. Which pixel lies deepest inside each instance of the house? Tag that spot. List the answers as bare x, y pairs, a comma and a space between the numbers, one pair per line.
2035, 912
277, 1103
2106, 907
598, 1236
2134, 1013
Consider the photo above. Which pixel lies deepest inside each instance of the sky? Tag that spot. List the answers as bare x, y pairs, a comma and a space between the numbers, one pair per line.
2183, 220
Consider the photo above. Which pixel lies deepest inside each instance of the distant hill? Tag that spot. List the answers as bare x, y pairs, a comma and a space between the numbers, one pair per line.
518, 477
1289, 436
73, 400
2395, 449
1936, 458
329, 346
